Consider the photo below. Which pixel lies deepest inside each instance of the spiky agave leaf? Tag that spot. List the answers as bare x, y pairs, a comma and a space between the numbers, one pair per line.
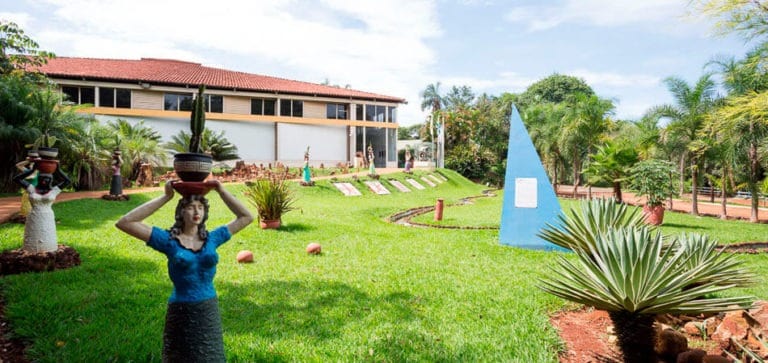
580, 227
629, 269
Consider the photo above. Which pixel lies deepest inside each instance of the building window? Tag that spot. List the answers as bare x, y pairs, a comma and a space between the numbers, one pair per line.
262, 107
375, 113
294, 108
392, 114
79, 95
336, 111
359, 112
177, 102
214, 103
114, 97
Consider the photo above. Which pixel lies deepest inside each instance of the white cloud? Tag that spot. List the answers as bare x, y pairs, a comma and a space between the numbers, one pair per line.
379, 47
21, 19
604, 13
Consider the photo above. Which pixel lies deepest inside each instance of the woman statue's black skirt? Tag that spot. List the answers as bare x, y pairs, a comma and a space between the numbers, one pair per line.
193, 333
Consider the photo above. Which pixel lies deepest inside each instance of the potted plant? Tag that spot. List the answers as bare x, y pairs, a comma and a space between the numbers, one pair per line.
654, 180
272, 197
194, 166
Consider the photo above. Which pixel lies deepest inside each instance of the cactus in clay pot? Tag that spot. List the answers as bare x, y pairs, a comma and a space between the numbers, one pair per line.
197, 122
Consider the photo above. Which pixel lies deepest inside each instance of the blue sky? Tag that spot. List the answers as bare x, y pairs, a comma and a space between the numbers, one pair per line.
622, 48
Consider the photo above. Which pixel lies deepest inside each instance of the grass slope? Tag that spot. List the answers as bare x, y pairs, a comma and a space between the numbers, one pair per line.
379, 292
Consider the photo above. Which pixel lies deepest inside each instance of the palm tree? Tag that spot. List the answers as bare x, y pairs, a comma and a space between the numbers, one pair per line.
141, 144
687, 115
584, 125
88, 153
743, 116
213, 142
629, 271
431, 98
611, 163
543, 121
15, 132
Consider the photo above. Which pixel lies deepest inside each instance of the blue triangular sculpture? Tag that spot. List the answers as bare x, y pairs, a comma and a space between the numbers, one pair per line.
529, 199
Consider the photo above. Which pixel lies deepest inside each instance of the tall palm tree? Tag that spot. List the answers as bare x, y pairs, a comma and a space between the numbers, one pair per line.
585, 124
744, 115
543, 121
687, 115
431, 98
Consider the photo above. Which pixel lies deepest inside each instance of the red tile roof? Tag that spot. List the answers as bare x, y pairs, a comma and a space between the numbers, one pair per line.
175, 72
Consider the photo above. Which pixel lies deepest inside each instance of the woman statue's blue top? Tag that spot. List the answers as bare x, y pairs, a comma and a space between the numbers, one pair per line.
191, 272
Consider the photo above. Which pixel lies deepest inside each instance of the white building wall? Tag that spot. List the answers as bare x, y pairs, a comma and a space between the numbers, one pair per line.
255, 141
327, 144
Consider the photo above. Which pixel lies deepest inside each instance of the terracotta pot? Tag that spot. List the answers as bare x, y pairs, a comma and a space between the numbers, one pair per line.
654, 215
192, 167
46, 166
49, 153
270, 224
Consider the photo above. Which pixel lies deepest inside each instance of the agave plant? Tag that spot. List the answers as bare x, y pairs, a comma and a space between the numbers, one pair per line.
625, 267
580, 227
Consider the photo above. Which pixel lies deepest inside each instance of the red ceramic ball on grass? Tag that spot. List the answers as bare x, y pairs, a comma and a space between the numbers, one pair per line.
314, 248
245, 256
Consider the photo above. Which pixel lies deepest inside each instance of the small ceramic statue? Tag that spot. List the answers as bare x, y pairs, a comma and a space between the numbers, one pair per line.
116, 188
371, 167
192, 324
408, 160
40, 226
307, 173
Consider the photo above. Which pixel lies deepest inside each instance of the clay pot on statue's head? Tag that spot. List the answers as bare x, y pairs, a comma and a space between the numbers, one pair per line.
192, 167
49, 153
46, 166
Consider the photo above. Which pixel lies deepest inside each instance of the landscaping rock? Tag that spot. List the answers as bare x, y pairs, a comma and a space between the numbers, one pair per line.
734, 326
670, 343
693, 328
691, 356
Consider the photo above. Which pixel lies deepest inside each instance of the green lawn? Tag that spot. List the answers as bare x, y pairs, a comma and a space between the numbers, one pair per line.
379, 292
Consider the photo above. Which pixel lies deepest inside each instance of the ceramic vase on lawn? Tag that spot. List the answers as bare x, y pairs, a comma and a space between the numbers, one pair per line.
654, 215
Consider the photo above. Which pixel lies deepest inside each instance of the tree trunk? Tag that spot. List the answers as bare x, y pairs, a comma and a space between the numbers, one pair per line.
682, 174
754, 168
724, 197
617, 192
636, 336
694, 189
576, 176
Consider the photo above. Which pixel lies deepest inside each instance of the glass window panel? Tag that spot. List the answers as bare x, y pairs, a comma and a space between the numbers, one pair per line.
106, 97
269, 107
342, 114
393, 114
171, 102
391, 144
87, 95
370, 111
185, 102
359, 112
71, 94
257, 106
330, 110
123, 98
298, 108
217, 104
285, 107
380, 111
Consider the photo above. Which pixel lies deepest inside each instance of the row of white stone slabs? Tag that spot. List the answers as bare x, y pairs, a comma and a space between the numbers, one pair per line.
375, 186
